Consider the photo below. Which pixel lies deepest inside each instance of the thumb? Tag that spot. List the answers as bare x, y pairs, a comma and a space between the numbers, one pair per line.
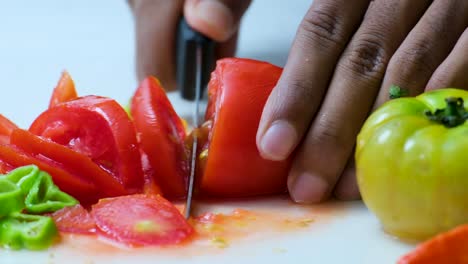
217, 19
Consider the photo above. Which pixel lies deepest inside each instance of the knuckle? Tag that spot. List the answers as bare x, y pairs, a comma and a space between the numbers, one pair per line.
367, 57
322, 27
414, 59
328, 131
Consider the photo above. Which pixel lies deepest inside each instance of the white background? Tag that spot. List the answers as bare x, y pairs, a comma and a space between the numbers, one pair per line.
94, 41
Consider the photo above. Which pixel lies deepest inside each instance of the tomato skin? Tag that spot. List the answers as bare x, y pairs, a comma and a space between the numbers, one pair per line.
99, 128
6, 127
64, 91
84, 191
139, 220
161, 135
238, 90
411, 171
72, 161
74, 219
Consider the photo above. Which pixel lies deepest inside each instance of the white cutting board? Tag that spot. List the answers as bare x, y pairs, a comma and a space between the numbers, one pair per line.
94, 41
342, 232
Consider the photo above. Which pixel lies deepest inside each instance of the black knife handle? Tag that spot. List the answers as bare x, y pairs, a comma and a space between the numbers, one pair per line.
187, 41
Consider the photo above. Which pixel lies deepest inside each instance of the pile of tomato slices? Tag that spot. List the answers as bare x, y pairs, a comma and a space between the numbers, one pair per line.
95, 150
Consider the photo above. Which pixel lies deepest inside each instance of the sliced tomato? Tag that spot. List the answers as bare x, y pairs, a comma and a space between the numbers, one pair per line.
83, 190
162, 135
74, 219
6, 127
70, 160
233, 167
99, 128
139, 220
64, 91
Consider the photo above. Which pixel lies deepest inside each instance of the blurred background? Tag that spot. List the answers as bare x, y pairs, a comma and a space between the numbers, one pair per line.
94, 41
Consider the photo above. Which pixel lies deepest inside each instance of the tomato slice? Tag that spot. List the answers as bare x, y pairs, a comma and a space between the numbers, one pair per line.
6, 127
99, 128
139, 220
72, 161
84, 191
233, 167
74, 219
64, 91
162, 135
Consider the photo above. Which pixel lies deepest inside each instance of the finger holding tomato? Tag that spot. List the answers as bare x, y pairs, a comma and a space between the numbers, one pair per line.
345, 57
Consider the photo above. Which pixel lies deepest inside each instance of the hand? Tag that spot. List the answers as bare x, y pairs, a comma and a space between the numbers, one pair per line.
156, 27
345, 56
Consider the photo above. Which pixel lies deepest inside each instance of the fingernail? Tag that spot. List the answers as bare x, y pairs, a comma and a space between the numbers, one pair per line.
217, 16
278, 141
308, 188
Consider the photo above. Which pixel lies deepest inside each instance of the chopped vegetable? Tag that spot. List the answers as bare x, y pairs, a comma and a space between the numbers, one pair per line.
139, 220
74, 219
412, 163
64, 91
6, 127
27, 231
450, 247
11, 197
162, 137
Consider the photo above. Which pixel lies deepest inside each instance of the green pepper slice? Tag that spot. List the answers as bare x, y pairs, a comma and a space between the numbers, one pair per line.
32, 232
45, 197
42, 195
11, 197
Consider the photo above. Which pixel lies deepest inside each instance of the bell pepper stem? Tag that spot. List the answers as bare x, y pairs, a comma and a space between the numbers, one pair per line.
453, 115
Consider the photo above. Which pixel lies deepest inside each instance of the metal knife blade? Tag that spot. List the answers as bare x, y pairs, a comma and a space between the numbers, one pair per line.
195, 61
196, 113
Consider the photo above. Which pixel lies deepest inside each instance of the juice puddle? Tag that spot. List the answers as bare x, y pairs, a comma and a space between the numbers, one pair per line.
222, 226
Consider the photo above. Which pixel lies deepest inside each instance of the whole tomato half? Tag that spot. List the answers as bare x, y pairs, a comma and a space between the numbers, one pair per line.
412, 163
231, 163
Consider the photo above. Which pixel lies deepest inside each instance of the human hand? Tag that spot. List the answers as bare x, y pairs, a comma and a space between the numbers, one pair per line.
345, 56
156, 26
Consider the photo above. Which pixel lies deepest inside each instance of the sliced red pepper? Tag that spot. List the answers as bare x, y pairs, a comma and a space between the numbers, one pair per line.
6, 127
72, 161
83, 190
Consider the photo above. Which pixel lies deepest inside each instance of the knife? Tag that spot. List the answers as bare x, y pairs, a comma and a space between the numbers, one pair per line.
195, 61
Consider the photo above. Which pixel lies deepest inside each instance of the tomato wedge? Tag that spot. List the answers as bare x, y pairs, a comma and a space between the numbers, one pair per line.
6, 127
139, 220
64, 91
84, 191
99, 128
162, 136
74, 219
233, 167
70, 160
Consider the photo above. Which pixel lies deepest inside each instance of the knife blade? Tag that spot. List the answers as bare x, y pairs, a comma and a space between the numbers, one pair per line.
195, 57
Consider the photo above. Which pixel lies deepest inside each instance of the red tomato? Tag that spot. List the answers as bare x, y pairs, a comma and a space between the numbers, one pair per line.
238, 91
74, 219
162, 135
99, 128
6, 127
70, 160
139, 220
64, 91
81, 189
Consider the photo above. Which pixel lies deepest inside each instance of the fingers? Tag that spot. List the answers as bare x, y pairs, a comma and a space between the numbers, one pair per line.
217, 19
426, 47
453, 72
156, 24
319, 41
347, 188
323, 155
